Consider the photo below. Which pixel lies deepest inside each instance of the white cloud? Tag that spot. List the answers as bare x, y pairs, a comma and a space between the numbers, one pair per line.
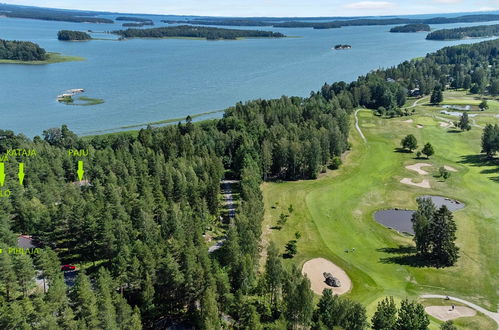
448, 1
370, 5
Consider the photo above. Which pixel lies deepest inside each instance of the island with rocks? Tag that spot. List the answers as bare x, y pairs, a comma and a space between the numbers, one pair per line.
340, 47
408, 28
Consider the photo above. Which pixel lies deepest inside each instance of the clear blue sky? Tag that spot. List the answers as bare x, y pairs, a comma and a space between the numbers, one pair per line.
271, 7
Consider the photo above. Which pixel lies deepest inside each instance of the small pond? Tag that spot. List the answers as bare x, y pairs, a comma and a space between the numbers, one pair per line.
400, 220
456, 114
457, 107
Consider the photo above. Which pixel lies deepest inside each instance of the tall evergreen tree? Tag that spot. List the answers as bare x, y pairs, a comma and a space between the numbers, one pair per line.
385, 317
437, 95
107, 311
442, 232
274, 274
85, 302
25, 273
464, 124
490, 140
421, 220
8, 280
412, 316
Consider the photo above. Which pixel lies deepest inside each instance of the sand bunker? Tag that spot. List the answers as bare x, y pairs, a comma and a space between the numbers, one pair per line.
444, 124
450, 168
420, 126
423, 184
417, 168
445, 313
315, 269
408, 121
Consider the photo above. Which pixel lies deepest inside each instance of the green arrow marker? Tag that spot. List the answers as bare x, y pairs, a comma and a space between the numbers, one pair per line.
20, 175
2, 174
80, 170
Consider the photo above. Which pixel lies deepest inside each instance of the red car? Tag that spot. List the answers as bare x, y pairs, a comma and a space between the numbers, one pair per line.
67, 267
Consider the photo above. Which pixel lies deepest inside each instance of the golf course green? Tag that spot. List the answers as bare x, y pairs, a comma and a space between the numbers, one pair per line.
334, 214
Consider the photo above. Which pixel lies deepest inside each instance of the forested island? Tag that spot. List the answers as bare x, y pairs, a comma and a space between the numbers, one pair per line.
133, 19
21, 51
140, 221
26, 52
288, 23
48, 14
136, 21
66, 35
138, 24
410, 28
188, 31
481, 31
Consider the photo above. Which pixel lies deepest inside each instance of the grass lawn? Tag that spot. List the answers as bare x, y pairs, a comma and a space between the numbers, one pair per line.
336, 211
52, 58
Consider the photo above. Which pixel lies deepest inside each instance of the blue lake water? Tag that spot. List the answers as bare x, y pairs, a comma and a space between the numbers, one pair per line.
144, 80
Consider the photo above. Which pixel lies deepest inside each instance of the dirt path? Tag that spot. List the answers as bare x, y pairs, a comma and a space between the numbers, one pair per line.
416, 103
229, 205
357, 126
492, 315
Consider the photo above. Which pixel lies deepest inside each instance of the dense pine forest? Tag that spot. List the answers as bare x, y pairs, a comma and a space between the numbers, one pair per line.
66, 35
411, 28
139, 222
21, 51
187, 31
481, 31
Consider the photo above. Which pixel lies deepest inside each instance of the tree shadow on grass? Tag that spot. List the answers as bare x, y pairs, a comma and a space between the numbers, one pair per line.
482, 160
479, 160
404, 255
398, 250
402, 150
454, 131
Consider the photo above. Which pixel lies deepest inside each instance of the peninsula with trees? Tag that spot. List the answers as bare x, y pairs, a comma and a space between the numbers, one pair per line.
66, 35
26, 52
408, 28
481, 31
196, 32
